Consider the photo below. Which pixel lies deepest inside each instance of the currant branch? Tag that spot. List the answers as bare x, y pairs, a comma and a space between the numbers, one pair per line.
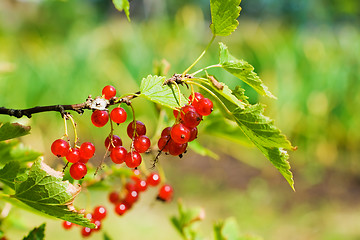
89, 104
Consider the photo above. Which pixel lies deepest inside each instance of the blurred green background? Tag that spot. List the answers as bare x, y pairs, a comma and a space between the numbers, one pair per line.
307, 52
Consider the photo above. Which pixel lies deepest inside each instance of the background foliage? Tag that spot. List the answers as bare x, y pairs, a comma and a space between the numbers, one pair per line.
59, 52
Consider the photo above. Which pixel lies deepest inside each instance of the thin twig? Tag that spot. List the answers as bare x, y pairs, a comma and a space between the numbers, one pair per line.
90, 104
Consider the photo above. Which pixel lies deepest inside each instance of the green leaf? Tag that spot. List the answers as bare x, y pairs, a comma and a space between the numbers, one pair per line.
37, 233
268, 138
239, 93
225, 100
201, 150
12, 130
218, 126
153, 89
257, 127
242, 70
229, 229
185, 222
44, 190
13, 150
123, 5
9, 173
223, 16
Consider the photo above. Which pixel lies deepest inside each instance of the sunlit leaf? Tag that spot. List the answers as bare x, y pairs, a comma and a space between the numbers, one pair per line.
258, 128
223, 16
152, 88
45, 191
9, 173
123, 5
242, 70
12, 130
37, 233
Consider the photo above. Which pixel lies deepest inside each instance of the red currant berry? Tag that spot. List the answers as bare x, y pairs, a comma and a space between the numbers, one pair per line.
118, 155
193, 134
140, 129
60, 148
99, 118
120, 208
87, 150
131, 197
166, 132
73, 155
195, 98
186, 109
204, 107
142, 143
88, 216
176, 113
192, 119
133, 159
83, 160
129, 186
165, 193
99, 213
114, 197
116, 142
118, 115
97, 224
176, 149
163, 143
67, 225
180, 133
153, 179
78, 170
140, 185
136, 173
85, 232
109, 92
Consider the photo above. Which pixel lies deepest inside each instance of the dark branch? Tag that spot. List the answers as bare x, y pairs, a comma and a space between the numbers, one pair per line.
79, 108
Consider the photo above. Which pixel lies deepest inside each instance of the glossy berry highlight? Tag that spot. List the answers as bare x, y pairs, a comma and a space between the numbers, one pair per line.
99, 118
165, 193
118, 154
99, 213
87, 150
180, 133
204, 107
109, 92
73, 155
140, 129
153, 179
133, 159
112, 142
78, 170
118, 115
60, 148
142, 143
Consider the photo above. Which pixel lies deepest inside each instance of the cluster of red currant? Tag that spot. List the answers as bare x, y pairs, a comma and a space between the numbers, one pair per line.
174, 140
140, 143
96, 217
125, 199
136, 130
78, 156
